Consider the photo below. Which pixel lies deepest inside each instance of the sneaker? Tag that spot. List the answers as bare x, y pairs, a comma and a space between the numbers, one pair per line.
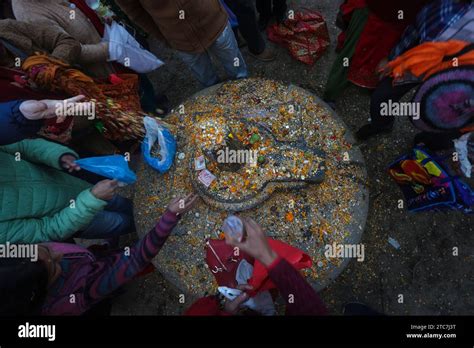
370, 130
267, 55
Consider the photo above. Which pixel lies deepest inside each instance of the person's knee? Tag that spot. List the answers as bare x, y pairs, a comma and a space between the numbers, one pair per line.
118, 224
121, 204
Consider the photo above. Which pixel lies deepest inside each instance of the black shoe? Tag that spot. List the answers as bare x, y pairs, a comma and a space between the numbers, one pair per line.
370, 130
263, 23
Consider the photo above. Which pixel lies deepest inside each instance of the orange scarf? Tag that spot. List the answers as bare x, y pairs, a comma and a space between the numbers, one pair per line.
428, 58
118, 104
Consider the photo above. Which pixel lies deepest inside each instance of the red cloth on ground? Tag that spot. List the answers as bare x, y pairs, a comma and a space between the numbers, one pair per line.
299, 295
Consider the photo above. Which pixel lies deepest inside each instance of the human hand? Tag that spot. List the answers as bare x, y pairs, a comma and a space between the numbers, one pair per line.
47, 108
105, 189
68, 162
232, 307
180, 205
255, 243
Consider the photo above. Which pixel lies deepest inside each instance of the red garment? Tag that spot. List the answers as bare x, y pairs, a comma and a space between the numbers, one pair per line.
290, 283
261, 280
381, 33
206, 306
375, 43
14, 86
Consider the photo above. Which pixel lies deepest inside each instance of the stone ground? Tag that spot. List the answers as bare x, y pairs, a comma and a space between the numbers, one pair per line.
424, 270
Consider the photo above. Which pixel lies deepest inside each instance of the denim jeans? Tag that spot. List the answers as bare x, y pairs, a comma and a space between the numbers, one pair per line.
115, 220
226, 50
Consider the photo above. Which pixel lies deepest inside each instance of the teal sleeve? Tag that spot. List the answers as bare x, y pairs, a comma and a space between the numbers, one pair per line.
58, 227
39, 151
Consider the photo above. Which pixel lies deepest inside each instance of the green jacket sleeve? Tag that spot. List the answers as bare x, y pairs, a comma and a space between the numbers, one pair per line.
38, 151
61, 226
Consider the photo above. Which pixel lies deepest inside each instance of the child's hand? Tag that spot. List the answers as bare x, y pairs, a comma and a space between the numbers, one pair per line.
181, 205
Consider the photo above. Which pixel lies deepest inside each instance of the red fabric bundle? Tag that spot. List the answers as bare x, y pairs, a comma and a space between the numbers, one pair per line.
224, 266
260, 280
306, 36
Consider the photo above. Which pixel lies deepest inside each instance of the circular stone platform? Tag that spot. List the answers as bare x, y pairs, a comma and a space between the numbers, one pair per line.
308, 216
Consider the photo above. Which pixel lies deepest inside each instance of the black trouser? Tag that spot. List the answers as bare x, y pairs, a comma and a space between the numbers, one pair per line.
384, 92
264, 8
248, 27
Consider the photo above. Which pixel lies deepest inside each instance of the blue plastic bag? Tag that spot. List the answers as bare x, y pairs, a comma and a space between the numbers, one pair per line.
156, 132
234, 23
112, 167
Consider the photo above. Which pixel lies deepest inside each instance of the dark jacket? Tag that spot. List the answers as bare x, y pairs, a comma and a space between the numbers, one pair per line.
204, 21
14, 126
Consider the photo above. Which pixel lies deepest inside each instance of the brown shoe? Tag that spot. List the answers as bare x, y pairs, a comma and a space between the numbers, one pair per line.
267, 55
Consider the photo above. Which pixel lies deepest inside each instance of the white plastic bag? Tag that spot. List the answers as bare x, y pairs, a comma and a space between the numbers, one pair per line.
262, 302
462, 148
124, 49
158, 133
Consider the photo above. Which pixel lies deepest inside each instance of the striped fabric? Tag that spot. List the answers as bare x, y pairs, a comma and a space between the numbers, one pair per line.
433, 20
91, 279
